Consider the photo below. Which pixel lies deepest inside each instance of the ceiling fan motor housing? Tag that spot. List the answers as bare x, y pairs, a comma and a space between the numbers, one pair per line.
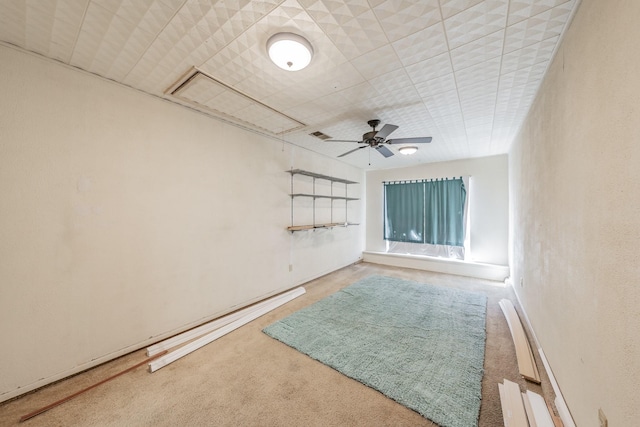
370, 138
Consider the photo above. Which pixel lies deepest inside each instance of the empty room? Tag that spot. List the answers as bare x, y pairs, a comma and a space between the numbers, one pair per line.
319, 213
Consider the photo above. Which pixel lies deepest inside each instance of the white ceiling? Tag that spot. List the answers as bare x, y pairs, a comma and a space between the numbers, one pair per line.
462, 71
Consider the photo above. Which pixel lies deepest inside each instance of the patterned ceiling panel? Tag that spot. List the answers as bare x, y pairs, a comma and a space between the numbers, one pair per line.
462, 71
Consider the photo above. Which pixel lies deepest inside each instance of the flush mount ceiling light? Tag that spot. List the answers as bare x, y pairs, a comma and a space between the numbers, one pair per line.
289, 51
408, 150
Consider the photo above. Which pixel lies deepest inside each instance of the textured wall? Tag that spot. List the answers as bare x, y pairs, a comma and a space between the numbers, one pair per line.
124, 217
575, 191
488, 207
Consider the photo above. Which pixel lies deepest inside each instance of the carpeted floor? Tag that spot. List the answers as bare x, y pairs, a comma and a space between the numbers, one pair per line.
249, 379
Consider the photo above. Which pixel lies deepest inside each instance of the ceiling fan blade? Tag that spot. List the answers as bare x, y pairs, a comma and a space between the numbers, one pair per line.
341, 140
384, 151
386, 131
355, 149
422, 140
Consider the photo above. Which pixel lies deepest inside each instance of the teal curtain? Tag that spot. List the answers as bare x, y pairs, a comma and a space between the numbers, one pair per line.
425, 212
444, 213
404, 212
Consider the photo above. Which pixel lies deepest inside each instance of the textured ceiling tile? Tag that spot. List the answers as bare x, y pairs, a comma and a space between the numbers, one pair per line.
451, 7
479, 122
443, 104
13, 22
118, 43
422, 45
480, 72
437, 85
391, 82
288, 15
352, 26
154, 18
196, 34
49, 28
328, 82
476, 22
535, 29
486, 87
478, 106
68, 19
515, 97
528, 56
239, 60
520, 77
95, 26
377, 62
430, 68
349, 96
478, 51
449, 114
523, 9
40, 17
400, 18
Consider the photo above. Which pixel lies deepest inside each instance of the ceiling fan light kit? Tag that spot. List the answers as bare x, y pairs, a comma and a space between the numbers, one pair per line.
289, 51
377, 139
408, 150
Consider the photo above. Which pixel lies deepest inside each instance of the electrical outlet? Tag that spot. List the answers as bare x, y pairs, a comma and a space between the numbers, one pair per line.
290, 267
603, 418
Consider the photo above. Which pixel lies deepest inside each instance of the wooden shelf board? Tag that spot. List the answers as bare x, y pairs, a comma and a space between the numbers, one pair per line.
313, 227
320, 176
320, 196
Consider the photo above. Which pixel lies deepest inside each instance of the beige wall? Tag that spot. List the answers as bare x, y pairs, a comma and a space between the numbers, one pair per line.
575, 191
488, 203
124, 218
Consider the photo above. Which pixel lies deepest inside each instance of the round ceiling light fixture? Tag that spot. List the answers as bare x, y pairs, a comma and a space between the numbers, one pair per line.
408, 150
289, 51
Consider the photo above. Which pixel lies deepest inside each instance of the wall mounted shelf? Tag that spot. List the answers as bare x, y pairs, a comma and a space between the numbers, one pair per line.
313, 195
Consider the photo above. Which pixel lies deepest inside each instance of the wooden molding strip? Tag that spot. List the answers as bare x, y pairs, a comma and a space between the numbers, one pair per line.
202, 341
513, 411
539, 411
561, 405
529, 410
526, 362
557, 422
61, 401
215, 324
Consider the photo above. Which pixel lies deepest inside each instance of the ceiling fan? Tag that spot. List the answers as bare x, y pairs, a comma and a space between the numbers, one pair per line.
377, 139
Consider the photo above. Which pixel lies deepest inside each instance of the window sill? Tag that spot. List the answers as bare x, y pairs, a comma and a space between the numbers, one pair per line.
440, 265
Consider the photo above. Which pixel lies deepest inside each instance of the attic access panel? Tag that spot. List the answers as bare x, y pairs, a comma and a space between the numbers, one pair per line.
213, 96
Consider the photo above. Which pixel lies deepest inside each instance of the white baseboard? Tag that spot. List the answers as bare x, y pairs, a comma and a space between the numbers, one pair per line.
439, 265
561, 405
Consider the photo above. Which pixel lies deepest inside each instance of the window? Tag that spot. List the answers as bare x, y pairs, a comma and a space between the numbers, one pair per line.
426, 217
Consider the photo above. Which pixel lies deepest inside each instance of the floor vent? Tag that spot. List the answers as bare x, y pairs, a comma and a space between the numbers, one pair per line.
210, 95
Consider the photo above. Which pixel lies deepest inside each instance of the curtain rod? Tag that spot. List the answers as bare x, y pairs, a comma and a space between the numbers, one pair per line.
416, 181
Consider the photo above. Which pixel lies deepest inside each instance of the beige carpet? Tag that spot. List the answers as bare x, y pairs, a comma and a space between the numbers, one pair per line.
249, 379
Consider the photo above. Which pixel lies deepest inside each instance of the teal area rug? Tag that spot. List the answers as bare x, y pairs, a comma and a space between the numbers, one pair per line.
420, 345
